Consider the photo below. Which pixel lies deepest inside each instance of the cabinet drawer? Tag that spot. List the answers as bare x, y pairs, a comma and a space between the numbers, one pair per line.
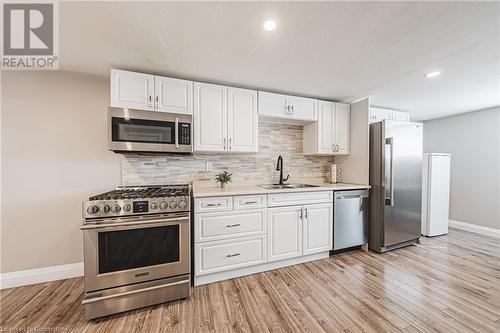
249, 201
213, 204
300, 198
219, 256
216, 226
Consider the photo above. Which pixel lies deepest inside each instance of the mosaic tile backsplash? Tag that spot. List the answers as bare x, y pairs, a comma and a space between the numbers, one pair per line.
258, 168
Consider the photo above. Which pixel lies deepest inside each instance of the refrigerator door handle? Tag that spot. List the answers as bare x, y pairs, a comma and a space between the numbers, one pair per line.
389, 201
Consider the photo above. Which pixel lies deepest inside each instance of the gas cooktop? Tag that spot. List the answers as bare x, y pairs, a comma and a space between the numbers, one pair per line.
138, 200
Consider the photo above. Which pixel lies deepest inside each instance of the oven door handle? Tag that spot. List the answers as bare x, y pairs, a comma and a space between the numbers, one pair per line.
127, 293
155, 222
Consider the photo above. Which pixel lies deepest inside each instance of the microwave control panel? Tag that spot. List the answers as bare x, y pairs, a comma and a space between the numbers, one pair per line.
184, 134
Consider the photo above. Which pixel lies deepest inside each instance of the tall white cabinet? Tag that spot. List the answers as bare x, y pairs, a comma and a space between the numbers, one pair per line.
435, 194
150, 92
225, 119
331, 134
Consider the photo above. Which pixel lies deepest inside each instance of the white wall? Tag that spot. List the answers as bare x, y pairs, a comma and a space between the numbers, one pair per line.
54, 155
473, 139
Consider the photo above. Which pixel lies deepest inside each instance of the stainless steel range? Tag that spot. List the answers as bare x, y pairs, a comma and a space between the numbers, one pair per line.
136, 248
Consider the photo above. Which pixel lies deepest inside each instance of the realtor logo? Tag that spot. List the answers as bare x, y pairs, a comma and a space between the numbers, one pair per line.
29, 36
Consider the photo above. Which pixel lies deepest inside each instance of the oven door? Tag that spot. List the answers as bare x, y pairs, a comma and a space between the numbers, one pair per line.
128, 251
149, 131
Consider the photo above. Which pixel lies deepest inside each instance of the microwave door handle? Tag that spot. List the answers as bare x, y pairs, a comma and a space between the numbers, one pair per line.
177, 132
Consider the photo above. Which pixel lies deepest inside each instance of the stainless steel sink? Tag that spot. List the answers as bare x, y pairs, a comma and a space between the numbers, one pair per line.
284, 186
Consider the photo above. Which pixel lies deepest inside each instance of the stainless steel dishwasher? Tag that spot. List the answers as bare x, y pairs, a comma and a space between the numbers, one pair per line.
350, 220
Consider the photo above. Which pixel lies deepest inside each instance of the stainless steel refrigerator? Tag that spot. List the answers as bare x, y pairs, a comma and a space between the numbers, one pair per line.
396, 184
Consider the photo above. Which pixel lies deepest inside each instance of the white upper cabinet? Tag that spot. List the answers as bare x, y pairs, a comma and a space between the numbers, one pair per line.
379, 114
150, 92
318, 228
210, 117
287, 109
225, 119
173, 95
400, 116
272, 105
331, 134
132, 90
342, 128
301, 108
243, 121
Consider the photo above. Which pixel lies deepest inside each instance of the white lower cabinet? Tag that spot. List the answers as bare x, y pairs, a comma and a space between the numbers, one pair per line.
284, 232
224, 255
318, 228
240, 235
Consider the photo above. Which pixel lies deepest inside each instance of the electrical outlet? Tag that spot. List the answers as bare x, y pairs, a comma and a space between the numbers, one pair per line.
208, 166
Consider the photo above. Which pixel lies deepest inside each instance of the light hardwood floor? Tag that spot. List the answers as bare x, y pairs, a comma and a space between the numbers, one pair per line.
447, 284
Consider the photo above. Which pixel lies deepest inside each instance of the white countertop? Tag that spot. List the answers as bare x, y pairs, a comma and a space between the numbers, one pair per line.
212, 191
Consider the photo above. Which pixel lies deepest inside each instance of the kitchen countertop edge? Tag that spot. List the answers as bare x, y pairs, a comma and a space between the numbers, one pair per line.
204, 192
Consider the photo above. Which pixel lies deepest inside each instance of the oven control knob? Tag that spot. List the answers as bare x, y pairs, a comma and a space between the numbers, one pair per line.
182, 204
164, 205
116, 208
105, 209
173, 205
93, 210
127, 208
154, 205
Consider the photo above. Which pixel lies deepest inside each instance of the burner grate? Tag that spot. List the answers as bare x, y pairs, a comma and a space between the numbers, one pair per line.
143, 192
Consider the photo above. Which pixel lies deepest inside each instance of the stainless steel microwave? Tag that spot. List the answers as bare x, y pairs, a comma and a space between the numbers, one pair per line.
132, 130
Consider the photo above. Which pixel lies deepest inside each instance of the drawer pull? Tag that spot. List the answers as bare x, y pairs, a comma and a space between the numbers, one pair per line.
232, 255
233, 225
213, 204
250, 202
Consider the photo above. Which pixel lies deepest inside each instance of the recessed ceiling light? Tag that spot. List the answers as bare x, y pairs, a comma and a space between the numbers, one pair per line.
269, 25
432, 74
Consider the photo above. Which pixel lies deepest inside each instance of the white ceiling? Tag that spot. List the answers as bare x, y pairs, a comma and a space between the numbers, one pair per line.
334, 50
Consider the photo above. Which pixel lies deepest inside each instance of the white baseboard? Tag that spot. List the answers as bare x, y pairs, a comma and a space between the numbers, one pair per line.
40, 275
478, 229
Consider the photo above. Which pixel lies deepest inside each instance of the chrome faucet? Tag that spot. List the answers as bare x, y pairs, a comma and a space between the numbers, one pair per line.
279, 167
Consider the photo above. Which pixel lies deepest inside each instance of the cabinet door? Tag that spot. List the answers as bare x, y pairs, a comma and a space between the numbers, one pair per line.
272, 105
210, 117
284, 233
325, 127
173, 95
302, 108
318, 228
342, 128
400, 116
242, 120
378, 114
132, 90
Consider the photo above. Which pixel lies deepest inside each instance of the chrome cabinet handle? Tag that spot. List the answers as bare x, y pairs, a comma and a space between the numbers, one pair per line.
232, 255
157, 102
225, 146
306, 216
233, 225
230, 141
301, 215
287, 109
150, 101
213, 204
292, 110
250, 202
